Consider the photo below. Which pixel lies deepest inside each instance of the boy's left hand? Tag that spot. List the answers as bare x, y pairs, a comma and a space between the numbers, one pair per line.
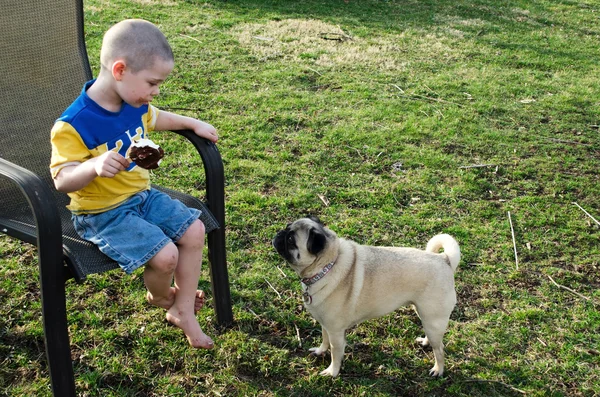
171, 121
206, 130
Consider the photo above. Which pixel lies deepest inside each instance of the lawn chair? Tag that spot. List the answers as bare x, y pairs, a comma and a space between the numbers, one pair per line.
43, 65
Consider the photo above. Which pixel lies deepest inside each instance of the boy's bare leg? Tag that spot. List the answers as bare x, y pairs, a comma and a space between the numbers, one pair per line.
187, 274
158, 276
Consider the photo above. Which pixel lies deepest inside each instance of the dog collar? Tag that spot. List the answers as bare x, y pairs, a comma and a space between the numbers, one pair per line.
311, 280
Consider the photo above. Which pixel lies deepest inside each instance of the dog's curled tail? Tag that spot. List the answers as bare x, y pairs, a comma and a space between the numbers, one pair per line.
450, 246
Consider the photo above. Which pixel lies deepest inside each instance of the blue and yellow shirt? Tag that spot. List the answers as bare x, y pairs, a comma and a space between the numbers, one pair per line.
86, 130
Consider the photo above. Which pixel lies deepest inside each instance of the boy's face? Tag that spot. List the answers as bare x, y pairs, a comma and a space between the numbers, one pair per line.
140, 88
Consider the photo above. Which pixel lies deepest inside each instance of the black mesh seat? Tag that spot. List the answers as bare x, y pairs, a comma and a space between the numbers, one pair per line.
43, 65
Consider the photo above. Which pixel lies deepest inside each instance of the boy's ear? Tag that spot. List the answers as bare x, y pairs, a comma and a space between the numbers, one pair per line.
118, 68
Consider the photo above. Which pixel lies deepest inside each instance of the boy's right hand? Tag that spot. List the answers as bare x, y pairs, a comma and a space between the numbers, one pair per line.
75, 177
110, 164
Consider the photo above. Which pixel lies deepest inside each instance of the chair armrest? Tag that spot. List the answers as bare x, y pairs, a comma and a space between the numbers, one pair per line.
43, 206
213, 170
52, 273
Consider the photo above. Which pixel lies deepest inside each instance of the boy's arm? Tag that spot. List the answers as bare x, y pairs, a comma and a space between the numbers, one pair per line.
171, 121
75, 177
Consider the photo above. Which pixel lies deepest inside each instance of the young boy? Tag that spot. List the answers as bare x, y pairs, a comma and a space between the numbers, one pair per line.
112, 202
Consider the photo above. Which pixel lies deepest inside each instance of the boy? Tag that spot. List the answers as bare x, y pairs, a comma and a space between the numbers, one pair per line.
112, 202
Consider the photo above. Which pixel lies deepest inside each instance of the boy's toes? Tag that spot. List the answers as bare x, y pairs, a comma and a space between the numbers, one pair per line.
200, 300
203, 342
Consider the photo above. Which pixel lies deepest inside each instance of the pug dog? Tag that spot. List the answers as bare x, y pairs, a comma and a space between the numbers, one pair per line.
345, 283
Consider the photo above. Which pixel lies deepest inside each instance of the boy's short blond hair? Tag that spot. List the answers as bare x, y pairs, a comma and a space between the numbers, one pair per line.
136, 41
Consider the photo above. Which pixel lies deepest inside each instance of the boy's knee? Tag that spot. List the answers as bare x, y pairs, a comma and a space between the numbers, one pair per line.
194, 235
166, 259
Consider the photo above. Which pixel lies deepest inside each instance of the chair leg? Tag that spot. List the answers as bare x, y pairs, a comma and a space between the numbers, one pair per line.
219, 276
215, 197
56, 333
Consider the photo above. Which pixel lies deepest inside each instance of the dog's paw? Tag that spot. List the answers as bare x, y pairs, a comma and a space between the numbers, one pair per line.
423, 341
317, 351
436, 372
330, 371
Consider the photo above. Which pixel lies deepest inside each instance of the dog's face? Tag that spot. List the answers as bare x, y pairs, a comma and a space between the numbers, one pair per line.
303, 241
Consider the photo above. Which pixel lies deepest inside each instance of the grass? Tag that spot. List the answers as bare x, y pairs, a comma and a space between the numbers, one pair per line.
373, 115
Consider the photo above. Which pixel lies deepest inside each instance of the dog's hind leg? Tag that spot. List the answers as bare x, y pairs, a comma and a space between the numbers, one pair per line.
319, 351
435, 322
438, 353
338, 345
434, 331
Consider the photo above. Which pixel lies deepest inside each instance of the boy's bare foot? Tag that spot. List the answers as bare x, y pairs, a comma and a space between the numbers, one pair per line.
190, 327
166, 303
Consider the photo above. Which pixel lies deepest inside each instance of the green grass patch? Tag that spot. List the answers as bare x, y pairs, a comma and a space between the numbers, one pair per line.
393, 121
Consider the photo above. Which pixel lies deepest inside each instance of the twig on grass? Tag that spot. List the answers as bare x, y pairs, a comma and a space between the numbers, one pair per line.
569, 142
587, 213
512, 232
497, 381
398, 88
415, 97
324, 200
298, 335
477, 166
273, 288
567, 288
262, 38
316, 71
335, 36
543, 275
281, 271
357, 151
190, 37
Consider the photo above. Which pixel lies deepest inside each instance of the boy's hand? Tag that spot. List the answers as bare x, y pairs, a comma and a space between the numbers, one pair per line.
170, 121
75, 177
205, 130
110, 164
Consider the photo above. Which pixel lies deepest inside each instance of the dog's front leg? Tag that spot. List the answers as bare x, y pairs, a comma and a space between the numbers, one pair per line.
319, 351
337, 340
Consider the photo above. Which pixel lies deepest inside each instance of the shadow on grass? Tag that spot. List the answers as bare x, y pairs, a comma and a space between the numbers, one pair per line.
359, 372
503, 26
356, 376
16, 347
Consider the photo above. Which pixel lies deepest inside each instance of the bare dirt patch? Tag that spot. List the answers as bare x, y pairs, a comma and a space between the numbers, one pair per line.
326, 44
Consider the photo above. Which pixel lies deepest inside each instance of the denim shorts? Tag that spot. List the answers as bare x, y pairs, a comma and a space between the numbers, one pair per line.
132, 233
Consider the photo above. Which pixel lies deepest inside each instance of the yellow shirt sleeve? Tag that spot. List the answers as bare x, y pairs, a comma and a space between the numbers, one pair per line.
67, 148
151, 118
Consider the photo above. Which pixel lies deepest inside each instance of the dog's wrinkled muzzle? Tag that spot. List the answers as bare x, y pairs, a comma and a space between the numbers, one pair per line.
279, 243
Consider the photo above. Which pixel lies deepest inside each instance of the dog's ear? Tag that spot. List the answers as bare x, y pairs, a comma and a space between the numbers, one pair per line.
314, 219
316, 241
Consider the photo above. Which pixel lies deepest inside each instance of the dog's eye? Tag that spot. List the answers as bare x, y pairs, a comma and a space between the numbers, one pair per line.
290, 239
